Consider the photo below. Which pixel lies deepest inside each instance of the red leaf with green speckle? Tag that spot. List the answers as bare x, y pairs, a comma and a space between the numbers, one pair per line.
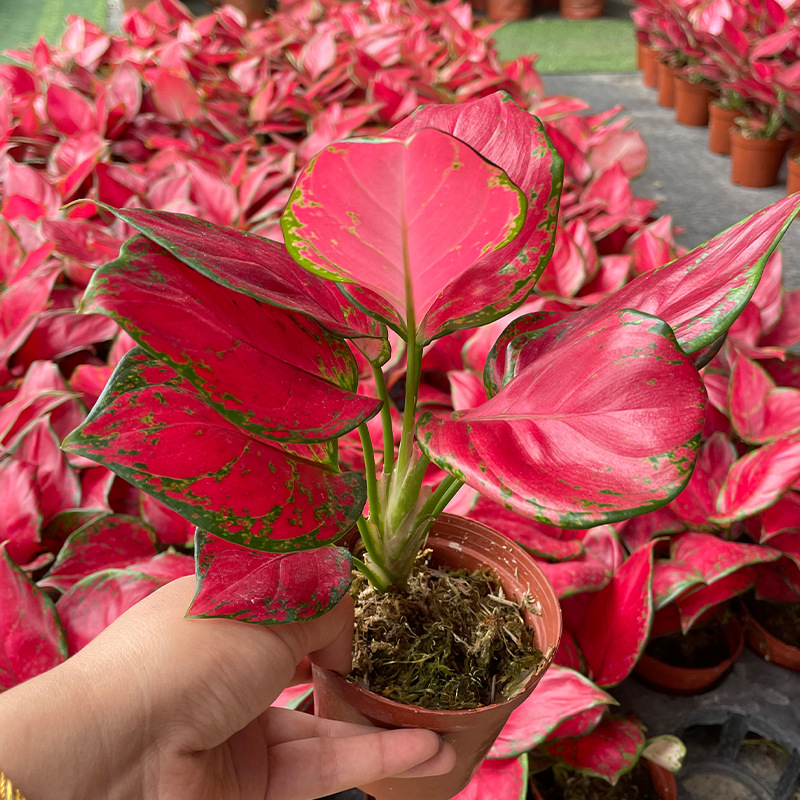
620, 440
273, 372
714, 558
693, 605
498, 779
611, 650
31, 637
153, 429
579, 725
608, 752
237, 583
257, 267
700, 294
20, 520
377, 215
111, 542
561, 695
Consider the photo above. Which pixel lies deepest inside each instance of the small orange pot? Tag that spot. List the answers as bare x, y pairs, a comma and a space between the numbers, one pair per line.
767, 645
720, 122
649, 67
582, 9
691, 102
458, 543
508, 10
793, 172
689, 681
666, 85
755, 163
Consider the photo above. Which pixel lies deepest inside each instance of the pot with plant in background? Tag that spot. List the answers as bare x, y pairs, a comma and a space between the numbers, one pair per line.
759, 144
582, 9
722, 114
508, 10
692, 96
287, 452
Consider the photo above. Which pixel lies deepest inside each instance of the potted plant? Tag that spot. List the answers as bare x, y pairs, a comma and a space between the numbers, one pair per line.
249, 356
722, 113
758, 146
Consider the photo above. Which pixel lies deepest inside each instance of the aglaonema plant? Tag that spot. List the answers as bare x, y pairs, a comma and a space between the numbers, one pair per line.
250, 353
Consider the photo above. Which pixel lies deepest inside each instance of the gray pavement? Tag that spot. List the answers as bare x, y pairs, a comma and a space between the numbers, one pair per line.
689, 182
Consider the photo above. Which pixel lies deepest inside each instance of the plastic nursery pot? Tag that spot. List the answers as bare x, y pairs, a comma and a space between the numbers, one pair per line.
649, 67
720, 122
694, 680
457, 543
666, 85
767, 645
508, 10
793, 172
581, 9
755, 163
691, 102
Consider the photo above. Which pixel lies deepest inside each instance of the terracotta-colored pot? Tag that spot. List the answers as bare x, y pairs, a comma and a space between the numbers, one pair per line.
767, 645
720, 122
639, 54
691, 102
793, 172
508, 10
666, 85
479, 6
755, 163
582, 9
458, 543
649, 67
688, 681
664, 783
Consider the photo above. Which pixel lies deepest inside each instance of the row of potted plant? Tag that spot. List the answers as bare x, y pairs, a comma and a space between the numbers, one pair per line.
144, 121
743, 59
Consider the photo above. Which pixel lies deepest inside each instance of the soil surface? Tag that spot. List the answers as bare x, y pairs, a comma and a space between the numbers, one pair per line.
451, 641
558, 784
780, 619
704, 646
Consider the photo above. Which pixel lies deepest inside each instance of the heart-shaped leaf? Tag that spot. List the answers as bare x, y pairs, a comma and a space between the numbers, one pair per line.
273, 372
608, 752
594, 453
510, 137
714, 558
377, 214
31, 638
153, 429
693, 605
561, 694
268, 588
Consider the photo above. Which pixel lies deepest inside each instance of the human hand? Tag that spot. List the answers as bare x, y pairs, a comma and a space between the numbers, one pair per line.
167, 708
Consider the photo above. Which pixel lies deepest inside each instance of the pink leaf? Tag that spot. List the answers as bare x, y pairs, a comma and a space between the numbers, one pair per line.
388, 250
611, 651
30, 632
500, 779
561, 695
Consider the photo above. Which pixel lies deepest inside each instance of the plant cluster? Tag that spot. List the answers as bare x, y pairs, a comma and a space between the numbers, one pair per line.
209, 118
749, 52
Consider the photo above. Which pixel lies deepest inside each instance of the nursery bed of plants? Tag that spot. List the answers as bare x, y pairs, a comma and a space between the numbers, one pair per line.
206, 117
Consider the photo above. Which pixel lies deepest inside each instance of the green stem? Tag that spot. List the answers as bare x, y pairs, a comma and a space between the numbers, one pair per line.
369, 470
444, 493
366, 571
386, 420
413, 373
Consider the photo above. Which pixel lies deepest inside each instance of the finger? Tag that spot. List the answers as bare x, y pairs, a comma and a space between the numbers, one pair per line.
280, 725
335, 764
